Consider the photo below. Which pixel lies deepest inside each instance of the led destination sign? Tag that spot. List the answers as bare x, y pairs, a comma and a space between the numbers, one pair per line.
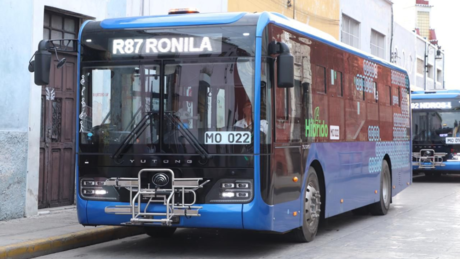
167, 45
432, 105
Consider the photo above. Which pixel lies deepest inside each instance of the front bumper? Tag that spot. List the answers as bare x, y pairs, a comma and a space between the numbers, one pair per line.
212, 215
448, 166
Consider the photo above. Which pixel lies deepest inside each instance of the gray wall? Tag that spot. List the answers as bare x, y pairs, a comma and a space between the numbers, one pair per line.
15, 38
21, 28
372, 15
404, 42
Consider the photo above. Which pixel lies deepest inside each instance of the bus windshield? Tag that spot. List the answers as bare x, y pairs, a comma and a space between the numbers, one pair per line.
434, 126
202, 105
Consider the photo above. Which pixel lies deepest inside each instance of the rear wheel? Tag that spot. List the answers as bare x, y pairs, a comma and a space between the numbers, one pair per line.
311, 210
382, 207
160, 232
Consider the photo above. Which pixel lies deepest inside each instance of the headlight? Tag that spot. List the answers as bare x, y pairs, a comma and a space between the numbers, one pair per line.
231, 191
94, 189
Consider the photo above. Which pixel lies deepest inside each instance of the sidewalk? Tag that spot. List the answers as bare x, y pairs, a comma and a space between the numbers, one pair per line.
53, 230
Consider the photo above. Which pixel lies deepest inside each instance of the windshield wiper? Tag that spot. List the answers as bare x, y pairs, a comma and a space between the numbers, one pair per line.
187, 134
137, 130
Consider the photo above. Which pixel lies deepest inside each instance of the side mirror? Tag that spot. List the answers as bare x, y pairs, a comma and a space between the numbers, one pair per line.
42, 64
285, 70
285, 64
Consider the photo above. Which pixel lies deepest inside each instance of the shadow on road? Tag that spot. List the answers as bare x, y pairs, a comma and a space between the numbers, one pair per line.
448, 178
213, 243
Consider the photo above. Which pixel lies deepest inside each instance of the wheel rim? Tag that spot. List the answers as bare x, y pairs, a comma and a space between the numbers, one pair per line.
312, 205
386, 188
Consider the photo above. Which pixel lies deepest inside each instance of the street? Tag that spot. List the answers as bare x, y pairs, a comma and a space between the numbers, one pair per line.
423, 222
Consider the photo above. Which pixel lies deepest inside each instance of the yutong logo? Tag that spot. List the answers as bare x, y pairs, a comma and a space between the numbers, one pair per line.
159, 45
160, 179
164, 161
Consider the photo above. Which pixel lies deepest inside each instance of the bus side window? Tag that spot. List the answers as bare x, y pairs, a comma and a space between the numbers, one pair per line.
319, 85
335, 83
287, 114
390, 97
376, 92
395, 96
358, 89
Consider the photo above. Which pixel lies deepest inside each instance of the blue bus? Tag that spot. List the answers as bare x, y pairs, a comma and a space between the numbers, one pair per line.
436, 134
232, 120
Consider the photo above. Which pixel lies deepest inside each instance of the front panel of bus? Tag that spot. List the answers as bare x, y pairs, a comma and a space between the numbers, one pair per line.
436, 134
179, 98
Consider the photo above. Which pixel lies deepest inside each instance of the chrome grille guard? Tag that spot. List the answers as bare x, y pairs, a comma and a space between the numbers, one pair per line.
428, 161
156, 195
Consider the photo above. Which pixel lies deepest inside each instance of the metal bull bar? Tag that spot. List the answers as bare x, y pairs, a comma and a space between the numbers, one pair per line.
428, 158
157, 194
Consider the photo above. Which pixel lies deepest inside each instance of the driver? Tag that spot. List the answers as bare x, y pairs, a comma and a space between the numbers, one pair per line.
180, 110
246, 122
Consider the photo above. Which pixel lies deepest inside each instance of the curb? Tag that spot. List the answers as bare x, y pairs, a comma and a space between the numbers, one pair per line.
60, 243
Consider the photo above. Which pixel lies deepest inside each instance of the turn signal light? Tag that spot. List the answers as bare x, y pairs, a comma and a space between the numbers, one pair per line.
242, 185
183, 10
228, 185
242, 194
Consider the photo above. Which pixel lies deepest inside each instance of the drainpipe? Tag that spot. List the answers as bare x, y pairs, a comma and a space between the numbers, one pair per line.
435, 72
391, 38
293, 9
425, 67
443, 71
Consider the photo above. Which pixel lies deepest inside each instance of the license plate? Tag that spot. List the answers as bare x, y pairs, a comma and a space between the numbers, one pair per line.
227, 137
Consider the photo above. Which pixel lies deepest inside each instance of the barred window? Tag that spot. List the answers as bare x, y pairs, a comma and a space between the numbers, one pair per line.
60, 26
350, 31
420, 66
377, 44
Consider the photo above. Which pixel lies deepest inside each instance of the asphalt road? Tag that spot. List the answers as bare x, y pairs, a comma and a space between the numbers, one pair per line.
424, 222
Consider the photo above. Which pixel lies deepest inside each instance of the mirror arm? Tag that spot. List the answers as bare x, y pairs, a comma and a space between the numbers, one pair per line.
276, 47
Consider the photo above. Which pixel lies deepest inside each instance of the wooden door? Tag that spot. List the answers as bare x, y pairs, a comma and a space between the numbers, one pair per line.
57, 136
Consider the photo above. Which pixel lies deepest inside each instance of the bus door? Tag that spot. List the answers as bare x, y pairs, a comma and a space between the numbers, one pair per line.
286, 161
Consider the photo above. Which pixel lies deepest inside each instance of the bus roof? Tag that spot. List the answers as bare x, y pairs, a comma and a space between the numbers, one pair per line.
196, 19
318, 35
192, 19
435, 94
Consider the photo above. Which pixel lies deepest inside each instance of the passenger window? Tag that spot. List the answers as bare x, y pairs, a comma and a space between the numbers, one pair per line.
288, 112
335, 85
358, 89
390, 101
376, 92
395, 96
319, 85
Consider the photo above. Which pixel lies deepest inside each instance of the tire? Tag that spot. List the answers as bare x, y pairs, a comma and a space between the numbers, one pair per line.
382, 207
311, 210
160, 232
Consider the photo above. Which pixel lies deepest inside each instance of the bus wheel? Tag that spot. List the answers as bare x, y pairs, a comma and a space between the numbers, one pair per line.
311, 211
382, 207
159, 232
